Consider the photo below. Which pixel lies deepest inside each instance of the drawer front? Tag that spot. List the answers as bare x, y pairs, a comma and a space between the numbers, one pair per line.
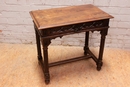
75, 28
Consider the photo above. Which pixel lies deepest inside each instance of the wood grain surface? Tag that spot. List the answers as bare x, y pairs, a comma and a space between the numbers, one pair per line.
67, 15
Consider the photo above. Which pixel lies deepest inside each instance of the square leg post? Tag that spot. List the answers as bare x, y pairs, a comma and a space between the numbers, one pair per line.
45, 44
39, 55
86, 42
102, 43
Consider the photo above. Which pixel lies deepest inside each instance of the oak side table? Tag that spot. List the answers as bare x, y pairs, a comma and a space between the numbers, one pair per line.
57, 22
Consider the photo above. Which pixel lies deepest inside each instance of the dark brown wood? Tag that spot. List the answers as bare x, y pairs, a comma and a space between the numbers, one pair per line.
57, 22
68, 33
45, 44
92, 56
86, 42
102, 43
38, 44
69, 60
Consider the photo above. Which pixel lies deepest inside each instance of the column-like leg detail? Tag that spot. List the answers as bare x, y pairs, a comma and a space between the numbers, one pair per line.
45, 43
39, 55
102, 43
86, 43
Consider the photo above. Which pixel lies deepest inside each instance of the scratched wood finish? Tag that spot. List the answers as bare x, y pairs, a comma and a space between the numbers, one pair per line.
67, 15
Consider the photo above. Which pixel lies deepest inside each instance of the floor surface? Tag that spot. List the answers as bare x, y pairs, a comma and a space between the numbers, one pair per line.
19, 67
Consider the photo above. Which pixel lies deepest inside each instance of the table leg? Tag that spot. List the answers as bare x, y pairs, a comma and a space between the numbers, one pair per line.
38, 45
86, 43
45, 43
102, 43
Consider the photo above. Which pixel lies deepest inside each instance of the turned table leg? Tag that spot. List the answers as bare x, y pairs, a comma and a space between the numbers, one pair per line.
102, 43
86, 43
45, 44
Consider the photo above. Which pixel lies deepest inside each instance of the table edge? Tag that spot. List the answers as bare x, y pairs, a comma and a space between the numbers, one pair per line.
82, 21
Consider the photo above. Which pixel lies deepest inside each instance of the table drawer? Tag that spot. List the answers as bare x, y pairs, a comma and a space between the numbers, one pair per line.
74, 28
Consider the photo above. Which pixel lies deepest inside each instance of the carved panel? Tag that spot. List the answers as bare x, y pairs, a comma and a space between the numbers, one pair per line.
76, 27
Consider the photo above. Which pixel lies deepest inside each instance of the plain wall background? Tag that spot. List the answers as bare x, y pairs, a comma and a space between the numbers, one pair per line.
17, 26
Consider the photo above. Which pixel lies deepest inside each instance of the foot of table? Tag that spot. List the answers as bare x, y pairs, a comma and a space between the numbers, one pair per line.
99, 65
47, 78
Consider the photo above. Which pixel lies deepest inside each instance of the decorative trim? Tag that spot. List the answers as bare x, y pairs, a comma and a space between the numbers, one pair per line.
77, 27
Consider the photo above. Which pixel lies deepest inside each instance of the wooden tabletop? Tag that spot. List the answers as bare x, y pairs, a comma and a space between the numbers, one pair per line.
67, 15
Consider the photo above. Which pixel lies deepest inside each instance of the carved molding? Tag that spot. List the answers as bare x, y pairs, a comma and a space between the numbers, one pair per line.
77, 27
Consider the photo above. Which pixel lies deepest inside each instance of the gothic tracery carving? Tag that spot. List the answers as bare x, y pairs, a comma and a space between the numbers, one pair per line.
77, 27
